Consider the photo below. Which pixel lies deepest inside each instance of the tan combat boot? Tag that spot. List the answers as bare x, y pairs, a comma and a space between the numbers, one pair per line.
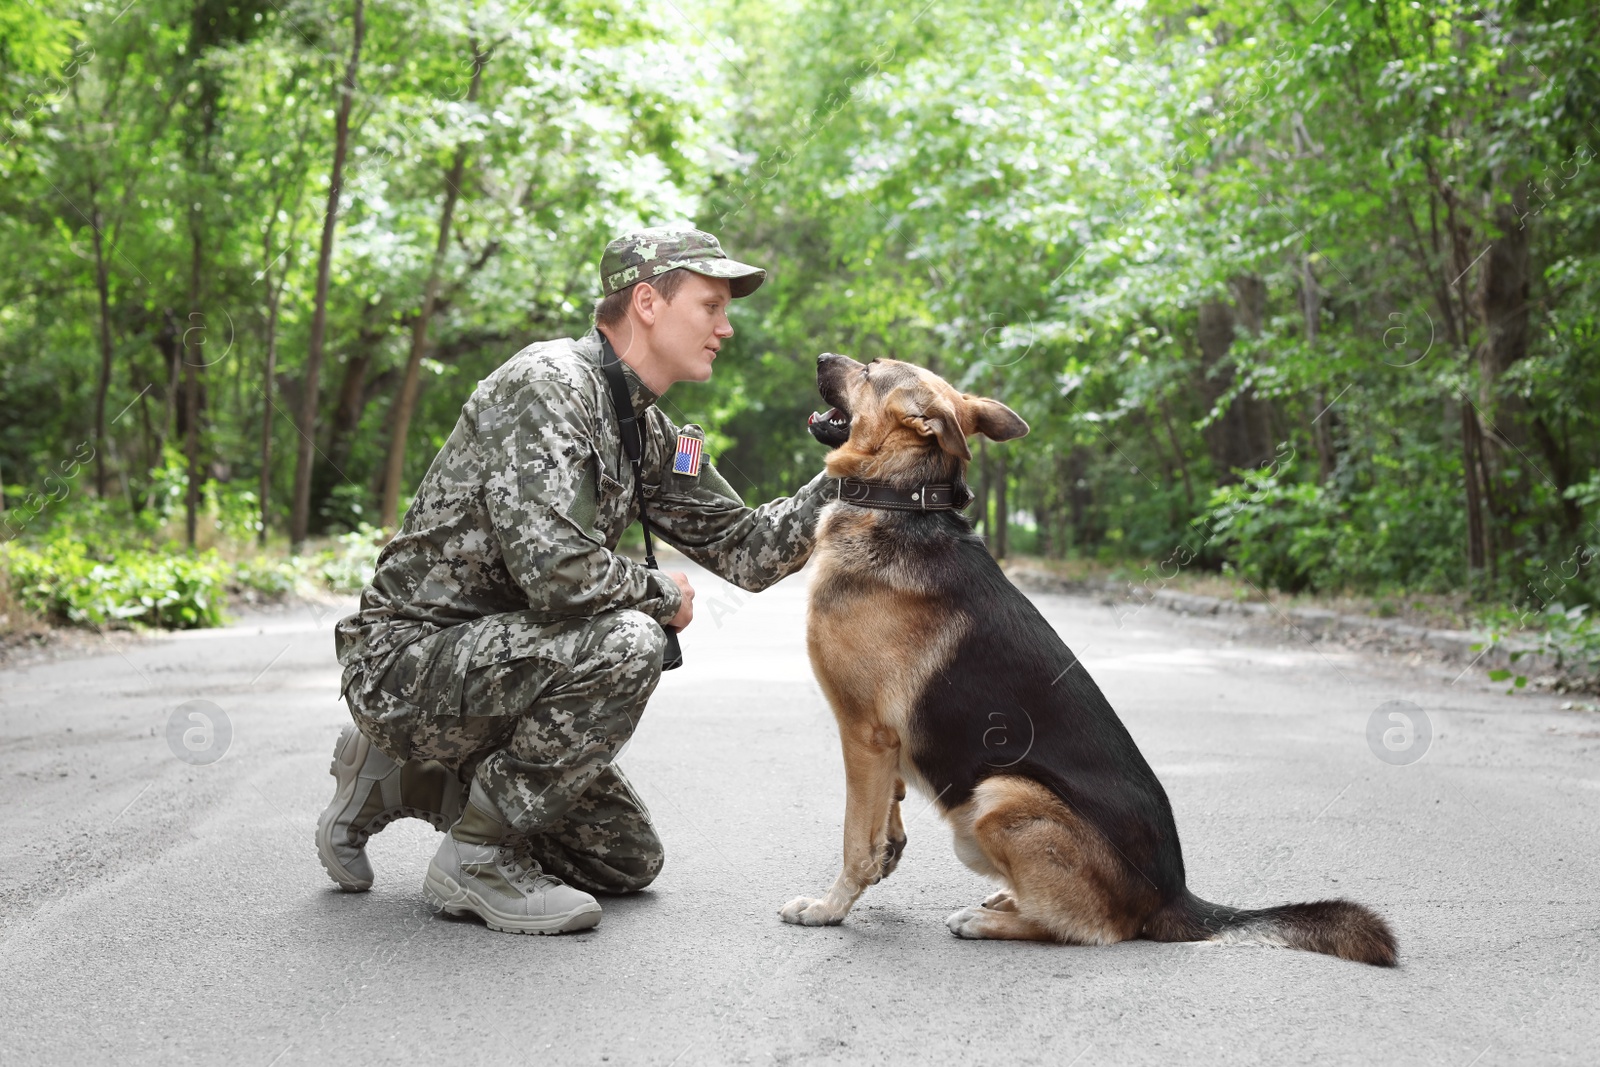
478, 870
372, 792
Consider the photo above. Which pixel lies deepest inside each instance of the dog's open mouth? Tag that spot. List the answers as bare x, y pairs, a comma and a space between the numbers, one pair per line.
831, 427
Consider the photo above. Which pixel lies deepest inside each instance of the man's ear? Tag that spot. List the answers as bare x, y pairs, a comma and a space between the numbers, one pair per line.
939, 420
992, 419
646, 301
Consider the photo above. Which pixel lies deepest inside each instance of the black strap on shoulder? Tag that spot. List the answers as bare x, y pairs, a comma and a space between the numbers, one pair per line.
632, 444
632, 440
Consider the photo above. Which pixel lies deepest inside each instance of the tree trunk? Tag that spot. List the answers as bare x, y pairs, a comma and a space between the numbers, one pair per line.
1045, 544
268, 370
1254, 413
1560, 457
103, 292
300, 508
405, 405
1080, 498
352, 403
1214, 332
1502, 300
1471, 452
1241, 436
103, 384
1502, 306
193, 363
1322, 422
169, 342
1002, 521
151, 437
1177, 450
982, 500
347, 412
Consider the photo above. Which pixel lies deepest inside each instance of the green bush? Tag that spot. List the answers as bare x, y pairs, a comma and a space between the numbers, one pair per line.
62, 580
349, 567
265, 575
1275, 531
1567, 637
92, 562
235, 510
1402, 531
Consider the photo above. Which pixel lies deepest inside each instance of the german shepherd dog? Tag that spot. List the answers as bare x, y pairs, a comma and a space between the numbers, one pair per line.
942, 674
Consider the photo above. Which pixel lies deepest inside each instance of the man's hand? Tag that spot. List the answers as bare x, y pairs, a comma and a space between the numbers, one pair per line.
686, 609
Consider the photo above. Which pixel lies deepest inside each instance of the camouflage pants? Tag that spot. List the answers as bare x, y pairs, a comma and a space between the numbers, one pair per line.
535, 708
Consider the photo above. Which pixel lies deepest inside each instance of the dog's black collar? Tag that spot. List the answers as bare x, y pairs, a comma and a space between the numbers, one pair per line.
929, 496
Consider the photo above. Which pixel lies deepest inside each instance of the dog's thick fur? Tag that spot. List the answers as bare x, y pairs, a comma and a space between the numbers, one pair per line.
943, 675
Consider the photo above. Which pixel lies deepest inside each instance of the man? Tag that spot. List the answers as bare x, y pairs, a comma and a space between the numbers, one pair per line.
504, 643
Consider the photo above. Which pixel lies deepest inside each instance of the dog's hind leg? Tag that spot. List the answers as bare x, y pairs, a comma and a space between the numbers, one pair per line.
1064, 881
895, 835
1001, 901
982, 923
871, 755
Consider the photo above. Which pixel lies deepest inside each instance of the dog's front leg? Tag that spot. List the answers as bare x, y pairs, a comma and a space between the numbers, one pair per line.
870, 760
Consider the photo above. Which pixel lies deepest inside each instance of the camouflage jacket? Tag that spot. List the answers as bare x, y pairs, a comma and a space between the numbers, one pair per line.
523, 507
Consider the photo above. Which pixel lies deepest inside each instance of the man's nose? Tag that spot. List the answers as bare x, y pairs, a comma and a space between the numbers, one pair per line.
724, 328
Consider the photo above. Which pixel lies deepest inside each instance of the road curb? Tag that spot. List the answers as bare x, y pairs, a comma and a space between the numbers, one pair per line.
1313, 622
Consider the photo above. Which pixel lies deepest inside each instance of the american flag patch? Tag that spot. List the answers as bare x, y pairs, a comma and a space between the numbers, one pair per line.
687, 461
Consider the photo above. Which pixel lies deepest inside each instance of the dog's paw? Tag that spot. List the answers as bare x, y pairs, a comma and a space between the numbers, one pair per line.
1001, 901
804, 911
968, 923
893, 848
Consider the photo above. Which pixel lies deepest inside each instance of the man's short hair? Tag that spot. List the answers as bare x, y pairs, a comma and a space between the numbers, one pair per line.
609, 311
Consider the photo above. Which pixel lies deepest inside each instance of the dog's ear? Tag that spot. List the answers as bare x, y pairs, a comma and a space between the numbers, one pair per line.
992, 419
938, 419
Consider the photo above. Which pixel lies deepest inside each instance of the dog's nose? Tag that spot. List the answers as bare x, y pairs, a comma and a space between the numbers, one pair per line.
827, 356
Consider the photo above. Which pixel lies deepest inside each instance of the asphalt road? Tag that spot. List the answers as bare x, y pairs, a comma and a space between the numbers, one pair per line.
158, 911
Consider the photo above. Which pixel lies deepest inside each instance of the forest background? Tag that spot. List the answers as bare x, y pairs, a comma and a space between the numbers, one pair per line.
1301, 295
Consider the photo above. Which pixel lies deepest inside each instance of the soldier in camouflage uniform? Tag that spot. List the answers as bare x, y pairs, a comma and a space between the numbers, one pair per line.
503, 642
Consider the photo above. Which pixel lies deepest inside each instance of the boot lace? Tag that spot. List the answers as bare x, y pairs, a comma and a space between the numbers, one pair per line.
523, 870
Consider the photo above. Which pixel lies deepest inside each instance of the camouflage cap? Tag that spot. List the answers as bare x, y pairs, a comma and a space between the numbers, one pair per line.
643, 254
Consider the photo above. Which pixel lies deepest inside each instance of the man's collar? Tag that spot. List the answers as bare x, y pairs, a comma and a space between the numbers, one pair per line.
638, 392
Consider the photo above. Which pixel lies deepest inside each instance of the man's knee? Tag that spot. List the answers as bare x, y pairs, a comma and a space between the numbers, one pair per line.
631, 867
638, 868
633, 644
617, 866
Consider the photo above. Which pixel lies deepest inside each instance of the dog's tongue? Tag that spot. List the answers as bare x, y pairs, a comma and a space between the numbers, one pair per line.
830, 415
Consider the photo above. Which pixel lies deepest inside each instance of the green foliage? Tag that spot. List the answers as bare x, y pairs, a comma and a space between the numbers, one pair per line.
236, 511
85, 566
349, 567
64, 581
1385, 530
34, 41
1279, 533
1567, 639
265, 575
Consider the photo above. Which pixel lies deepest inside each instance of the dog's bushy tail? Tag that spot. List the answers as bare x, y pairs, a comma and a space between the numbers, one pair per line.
1338, 927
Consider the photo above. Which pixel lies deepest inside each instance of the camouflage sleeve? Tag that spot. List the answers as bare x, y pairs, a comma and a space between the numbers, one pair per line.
703, 517
542, 466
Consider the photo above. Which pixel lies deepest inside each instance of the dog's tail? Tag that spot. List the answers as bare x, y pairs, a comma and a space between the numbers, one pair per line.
1338, 927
